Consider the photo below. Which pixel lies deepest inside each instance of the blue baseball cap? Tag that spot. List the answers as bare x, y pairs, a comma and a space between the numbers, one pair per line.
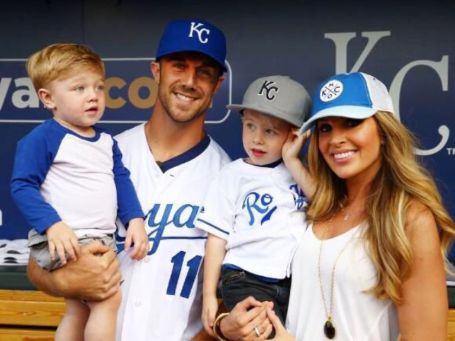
193, 35
353, 95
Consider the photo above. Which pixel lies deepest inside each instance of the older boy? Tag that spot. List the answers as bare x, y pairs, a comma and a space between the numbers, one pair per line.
253, 209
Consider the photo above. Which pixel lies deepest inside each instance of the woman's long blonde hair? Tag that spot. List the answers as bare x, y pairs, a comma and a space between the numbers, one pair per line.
399, 181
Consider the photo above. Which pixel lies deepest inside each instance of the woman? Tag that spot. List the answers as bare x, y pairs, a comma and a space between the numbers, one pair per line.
371, 263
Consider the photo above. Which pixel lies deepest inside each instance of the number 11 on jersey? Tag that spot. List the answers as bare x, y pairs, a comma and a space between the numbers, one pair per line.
192, 267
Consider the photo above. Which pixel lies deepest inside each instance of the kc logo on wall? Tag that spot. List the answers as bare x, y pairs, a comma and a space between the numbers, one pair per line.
440, 68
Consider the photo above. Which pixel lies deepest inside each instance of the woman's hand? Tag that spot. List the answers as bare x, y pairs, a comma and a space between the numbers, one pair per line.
281, 334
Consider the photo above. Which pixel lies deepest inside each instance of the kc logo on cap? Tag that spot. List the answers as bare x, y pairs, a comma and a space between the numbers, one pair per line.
193, 35
331, 90
201, 31
278, 96
269, 88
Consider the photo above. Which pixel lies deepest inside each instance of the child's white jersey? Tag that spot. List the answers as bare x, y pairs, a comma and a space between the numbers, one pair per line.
162, 293
259, 211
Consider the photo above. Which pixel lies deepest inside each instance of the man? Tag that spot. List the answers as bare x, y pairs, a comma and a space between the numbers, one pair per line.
172, 161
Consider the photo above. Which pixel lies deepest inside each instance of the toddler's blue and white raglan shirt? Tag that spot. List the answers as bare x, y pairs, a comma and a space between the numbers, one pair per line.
59, 175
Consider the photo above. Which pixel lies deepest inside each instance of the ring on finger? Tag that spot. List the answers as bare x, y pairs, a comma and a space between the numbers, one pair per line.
256, 331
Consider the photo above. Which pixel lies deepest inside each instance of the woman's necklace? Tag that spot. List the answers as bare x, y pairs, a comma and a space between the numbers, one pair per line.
329, 328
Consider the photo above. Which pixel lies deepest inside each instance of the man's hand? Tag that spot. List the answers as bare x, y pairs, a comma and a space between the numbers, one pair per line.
95, 276
241, 322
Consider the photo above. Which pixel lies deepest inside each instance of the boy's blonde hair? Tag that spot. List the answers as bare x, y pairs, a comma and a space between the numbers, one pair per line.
400, 182
57, 61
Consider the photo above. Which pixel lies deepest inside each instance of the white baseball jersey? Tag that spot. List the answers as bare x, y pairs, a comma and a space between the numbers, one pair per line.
259, 211
162, 293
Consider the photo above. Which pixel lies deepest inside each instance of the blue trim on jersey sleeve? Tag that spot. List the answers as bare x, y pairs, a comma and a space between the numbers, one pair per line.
186, 156
213, 226
127, 200
35, 154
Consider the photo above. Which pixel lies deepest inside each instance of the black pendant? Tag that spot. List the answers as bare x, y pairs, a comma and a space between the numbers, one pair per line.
329, 329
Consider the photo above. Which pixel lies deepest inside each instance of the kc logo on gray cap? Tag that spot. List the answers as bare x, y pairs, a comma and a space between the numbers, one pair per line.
277, 96
201, 31
269, 88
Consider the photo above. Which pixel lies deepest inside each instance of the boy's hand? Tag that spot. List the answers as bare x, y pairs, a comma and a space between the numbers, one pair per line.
209, 309
294, 143
290, 153
62, 240
136, 237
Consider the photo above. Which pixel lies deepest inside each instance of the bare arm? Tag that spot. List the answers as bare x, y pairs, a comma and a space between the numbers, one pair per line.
291, 157
423, 313
214, 255
94, 276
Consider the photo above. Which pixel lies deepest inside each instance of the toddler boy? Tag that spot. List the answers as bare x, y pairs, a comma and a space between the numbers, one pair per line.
69, 181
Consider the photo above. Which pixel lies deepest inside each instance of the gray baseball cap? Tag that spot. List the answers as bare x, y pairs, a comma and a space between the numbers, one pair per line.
277, 96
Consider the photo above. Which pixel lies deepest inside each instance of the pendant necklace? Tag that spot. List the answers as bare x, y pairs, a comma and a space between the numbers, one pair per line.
329, 328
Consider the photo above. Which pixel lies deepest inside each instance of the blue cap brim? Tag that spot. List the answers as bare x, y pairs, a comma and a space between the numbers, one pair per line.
347, 111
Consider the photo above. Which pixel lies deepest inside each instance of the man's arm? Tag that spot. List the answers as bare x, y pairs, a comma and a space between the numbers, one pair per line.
95, 275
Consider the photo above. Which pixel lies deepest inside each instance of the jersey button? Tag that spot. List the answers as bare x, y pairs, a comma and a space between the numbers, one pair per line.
137, 304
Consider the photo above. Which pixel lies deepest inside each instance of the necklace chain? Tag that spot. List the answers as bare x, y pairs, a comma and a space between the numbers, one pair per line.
329, 310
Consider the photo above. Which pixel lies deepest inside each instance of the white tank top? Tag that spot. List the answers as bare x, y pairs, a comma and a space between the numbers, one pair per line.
356, 315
